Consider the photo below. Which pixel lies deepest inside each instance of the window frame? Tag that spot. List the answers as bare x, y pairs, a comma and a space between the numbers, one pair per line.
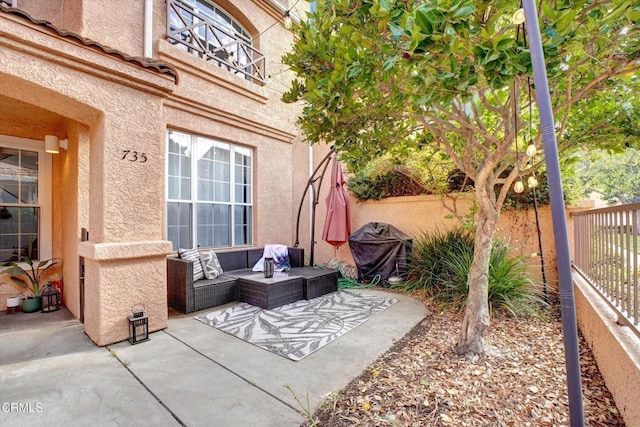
45, 190
195, 201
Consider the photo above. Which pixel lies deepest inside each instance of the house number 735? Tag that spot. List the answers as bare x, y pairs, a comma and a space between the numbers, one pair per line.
133, 156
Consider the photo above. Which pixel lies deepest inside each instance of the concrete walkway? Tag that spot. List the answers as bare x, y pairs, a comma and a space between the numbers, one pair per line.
190, 374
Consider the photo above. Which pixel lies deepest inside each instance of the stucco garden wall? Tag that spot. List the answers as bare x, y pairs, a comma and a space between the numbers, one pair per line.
415, 215
615, 348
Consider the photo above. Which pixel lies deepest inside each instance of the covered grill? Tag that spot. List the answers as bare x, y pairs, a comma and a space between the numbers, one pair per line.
379, 248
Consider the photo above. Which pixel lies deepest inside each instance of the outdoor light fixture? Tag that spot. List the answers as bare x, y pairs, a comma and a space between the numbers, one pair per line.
532, 181
138, 325
52, 144
518, 17
518, 187
531, 148
287, 20
50, 299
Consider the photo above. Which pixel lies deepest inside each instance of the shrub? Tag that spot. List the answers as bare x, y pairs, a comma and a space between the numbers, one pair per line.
432, 254
395, 182
440, 263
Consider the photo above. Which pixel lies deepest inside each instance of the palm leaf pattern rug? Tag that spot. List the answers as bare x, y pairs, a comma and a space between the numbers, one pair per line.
298, 329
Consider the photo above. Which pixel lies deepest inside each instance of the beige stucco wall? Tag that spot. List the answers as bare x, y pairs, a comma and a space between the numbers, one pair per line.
104, 105
415, 215
615, 348
117, 200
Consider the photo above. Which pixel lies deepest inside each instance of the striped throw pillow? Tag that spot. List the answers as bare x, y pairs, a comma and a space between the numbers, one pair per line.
193, 255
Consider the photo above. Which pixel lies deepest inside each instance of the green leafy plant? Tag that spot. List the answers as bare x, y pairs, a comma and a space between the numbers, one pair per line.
511, 289
428, 265
29, 278
440, 263
399, 171
305, 406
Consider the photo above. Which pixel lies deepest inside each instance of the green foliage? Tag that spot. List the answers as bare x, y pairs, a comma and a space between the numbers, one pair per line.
441, 261
29, 278
398, 181
510, 287
401, 171
524, 200
376, 73
615, 177
428, 265
457, 75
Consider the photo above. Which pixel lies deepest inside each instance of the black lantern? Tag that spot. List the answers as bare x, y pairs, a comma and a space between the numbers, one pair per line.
268, 267
138, 325
50, 298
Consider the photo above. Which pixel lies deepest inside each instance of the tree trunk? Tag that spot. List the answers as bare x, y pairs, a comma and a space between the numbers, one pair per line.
476, 317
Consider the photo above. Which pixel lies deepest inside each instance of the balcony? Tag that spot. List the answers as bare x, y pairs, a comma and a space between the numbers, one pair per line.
213, 42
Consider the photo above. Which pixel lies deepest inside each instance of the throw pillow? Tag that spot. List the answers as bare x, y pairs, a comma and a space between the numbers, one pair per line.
193, 255
210, 264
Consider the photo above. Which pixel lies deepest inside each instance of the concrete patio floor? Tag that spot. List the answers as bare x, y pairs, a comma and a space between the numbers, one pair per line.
189, 374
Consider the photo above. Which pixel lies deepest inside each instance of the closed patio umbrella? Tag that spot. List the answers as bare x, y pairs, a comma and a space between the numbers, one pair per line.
337, 224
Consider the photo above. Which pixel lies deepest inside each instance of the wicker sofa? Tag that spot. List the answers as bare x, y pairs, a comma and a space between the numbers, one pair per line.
186, 296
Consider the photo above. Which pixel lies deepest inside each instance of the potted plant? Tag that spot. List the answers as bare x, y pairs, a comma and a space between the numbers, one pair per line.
29, 278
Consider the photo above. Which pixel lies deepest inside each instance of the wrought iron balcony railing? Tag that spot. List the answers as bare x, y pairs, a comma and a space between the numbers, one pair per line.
198, 34
607, 255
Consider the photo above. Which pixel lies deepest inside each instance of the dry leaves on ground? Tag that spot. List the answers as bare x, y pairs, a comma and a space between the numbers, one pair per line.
421, 381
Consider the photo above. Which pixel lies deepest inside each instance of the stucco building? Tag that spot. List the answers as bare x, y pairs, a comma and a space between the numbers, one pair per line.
170, 132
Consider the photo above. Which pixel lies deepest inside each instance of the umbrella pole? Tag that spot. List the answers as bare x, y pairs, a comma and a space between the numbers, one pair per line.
311, 183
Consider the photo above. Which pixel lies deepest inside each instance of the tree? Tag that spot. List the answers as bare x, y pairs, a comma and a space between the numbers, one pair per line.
614, 177
455, 75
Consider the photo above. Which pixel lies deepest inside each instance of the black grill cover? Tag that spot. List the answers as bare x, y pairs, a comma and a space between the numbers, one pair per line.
379, 248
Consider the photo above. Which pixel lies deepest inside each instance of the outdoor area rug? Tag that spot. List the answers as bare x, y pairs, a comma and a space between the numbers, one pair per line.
298, 329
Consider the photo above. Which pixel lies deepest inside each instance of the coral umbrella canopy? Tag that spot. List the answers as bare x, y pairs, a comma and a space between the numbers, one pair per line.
337, 224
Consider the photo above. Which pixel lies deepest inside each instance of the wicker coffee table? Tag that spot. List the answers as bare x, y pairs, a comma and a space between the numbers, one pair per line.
270, 293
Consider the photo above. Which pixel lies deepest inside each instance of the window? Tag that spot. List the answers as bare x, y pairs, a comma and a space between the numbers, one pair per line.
202, 28
209, 192
25, 199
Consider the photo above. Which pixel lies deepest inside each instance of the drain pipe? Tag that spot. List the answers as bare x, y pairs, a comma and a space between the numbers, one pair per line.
148, 29
567, 302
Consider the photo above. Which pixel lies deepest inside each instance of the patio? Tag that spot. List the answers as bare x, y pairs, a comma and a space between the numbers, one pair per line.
188, 374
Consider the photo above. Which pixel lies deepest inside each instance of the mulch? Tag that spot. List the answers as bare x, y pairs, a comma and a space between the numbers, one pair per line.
521, 381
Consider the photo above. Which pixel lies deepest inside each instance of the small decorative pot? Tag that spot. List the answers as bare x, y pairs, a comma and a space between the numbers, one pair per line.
13, 302
31, 305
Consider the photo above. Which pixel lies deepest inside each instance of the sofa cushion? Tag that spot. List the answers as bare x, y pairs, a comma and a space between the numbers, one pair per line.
210, 264
233, 260
193, 255
213, 282
253, 256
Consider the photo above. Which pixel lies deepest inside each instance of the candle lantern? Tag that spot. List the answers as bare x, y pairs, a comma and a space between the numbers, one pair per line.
269, 267
50, 298
138, 325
